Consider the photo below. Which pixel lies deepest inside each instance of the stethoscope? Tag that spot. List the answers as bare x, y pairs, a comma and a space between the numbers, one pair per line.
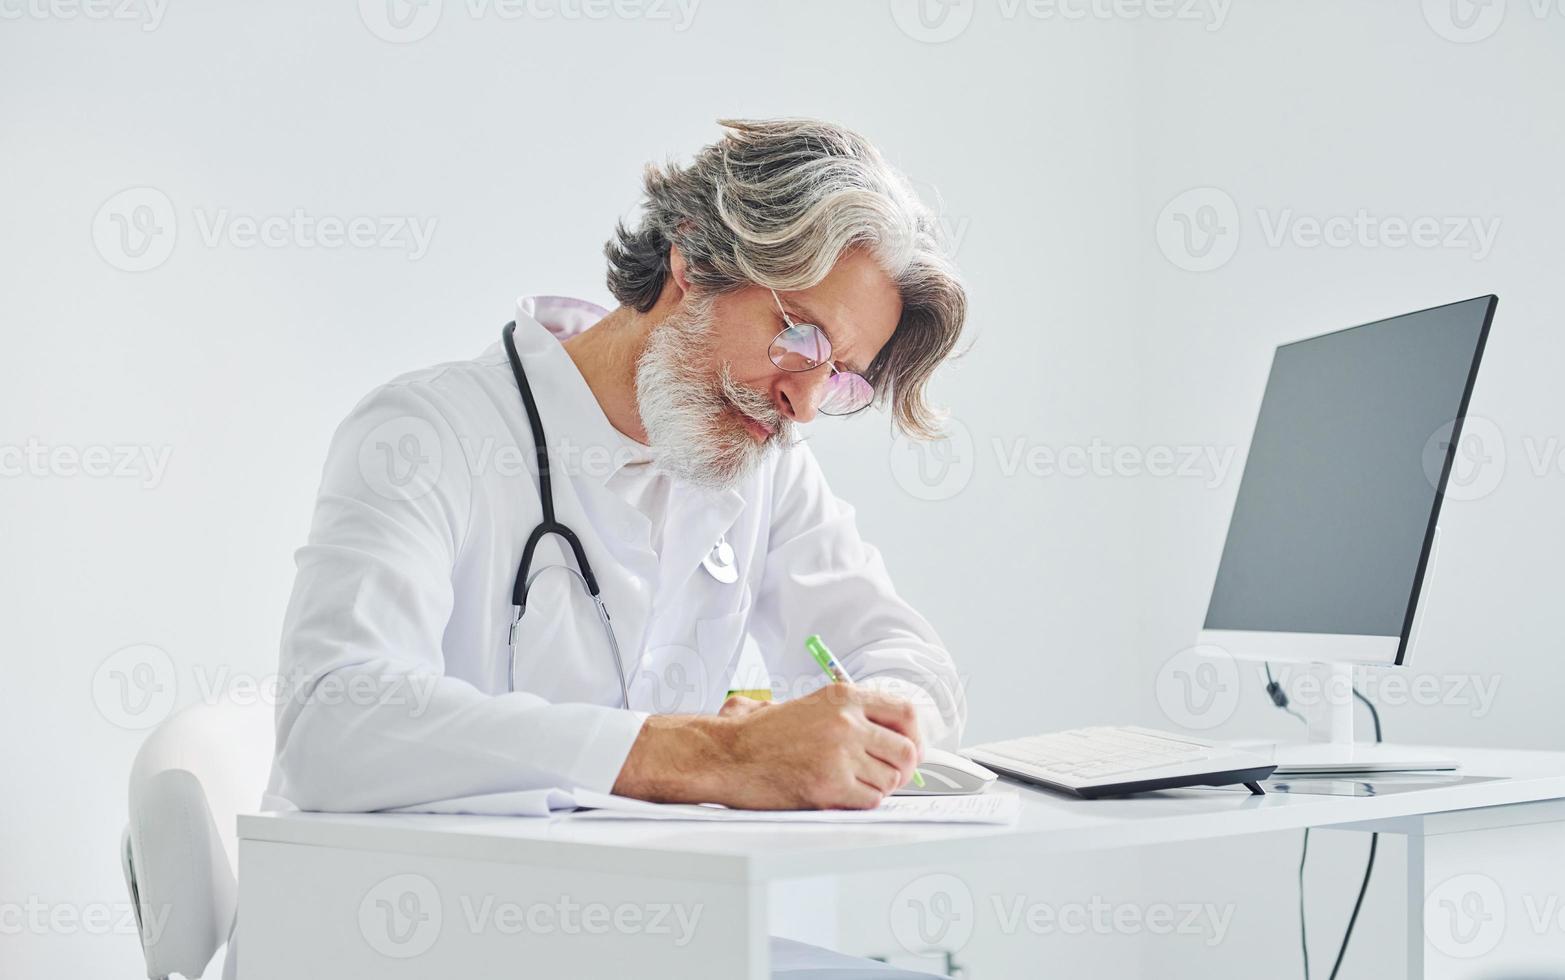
525, 576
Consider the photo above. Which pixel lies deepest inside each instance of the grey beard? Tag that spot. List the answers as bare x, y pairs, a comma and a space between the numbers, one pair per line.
687, 414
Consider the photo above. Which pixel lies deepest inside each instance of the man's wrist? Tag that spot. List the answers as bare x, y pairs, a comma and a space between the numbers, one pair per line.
680, 759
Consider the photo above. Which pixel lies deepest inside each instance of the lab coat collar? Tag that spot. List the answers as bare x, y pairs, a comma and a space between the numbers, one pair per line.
542, 323
572, 418
571, 412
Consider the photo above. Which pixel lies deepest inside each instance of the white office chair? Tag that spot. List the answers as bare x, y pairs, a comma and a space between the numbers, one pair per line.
180, 850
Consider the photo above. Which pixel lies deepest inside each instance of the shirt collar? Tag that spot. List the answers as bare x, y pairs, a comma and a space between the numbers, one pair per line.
582, 440
563, 316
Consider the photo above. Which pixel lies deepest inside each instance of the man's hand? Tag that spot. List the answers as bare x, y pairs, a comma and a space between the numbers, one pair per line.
737, 706
843, 747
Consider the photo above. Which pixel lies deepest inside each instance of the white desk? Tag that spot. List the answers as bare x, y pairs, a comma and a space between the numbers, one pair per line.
394, 896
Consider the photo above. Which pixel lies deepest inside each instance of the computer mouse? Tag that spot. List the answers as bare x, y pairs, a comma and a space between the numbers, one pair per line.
948, 774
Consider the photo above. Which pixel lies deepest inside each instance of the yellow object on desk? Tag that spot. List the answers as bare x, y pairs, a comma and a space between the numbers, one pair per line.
755, 693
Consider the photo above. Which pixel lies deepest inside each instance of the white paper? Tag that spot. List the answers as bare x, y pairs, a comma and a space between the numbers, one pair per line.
519, 803
999, 806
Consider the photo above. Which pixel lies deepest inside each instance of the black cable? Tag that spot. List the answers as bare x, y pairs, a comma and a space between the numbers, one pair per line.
1369, 865
1304, 939
1279, 697
1373, 714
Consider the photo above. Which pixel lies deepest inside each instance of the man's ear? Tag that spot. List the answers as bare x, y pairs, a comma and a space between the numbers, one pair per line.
678, 269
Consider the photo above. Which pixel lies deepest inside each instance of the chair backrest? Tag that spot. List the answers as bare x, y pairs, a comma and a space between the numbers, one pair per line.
180, 851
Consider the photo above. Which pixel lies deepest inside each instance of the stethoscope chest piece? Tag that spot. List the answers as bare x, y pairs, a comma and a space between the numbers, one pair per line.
719, 562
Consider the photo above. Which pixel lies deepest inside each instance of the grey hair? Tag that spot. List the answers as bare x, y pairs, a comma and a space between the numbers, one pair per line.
775, 203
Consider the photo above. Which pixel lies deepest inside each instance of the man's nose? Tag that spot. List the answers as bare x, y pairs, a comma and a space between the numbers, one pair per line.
802, 393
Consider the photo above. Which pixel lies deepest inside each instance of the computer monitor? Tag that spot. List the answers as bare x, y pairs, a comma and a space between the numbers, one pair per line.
1335, 527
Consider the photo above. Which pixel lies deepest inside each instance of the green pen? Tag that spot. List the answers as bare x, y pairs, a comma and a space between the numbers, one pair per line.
833, 669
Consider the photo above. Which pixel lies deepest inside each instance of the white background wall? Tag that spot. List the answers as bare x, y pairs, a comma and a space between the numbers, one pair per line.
1055, 145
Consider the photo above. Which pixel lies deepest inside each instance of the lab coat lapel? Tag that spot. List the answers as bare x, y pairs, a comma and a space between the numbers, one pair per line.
697, 520
697, 517
621, 529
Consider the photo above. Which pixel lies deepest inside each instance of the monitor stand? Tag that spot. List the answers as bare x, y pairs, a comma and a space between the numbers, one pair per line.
1331, 747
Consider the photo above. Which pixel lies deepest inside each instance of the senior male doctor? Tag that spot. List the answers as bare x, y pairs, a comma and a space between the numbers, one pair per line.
784, 275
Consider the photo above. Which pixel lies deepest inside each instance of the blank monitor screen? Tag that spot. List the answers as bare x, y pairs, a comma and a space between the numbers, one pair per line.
1338, 495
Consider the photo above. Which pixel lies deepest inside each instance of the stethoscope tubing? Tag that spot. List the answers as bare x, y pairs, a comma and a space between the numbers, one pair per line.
525, 575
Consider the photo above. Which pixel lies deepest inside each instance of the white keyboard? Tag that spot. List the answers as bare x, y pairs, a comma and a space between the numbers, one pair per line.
1094, 762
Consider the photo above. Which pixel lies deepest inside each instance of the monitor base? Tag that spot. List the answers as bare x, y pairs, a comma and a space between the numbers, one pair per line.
1300, 758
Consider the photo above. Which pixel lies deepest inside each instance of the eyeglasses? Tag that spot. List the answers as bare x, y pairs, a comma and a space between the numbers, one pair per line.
805, 347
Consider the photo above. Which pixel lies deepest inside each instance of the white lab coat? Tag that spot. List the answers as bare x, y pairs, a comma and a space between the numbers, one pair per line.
395, 644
